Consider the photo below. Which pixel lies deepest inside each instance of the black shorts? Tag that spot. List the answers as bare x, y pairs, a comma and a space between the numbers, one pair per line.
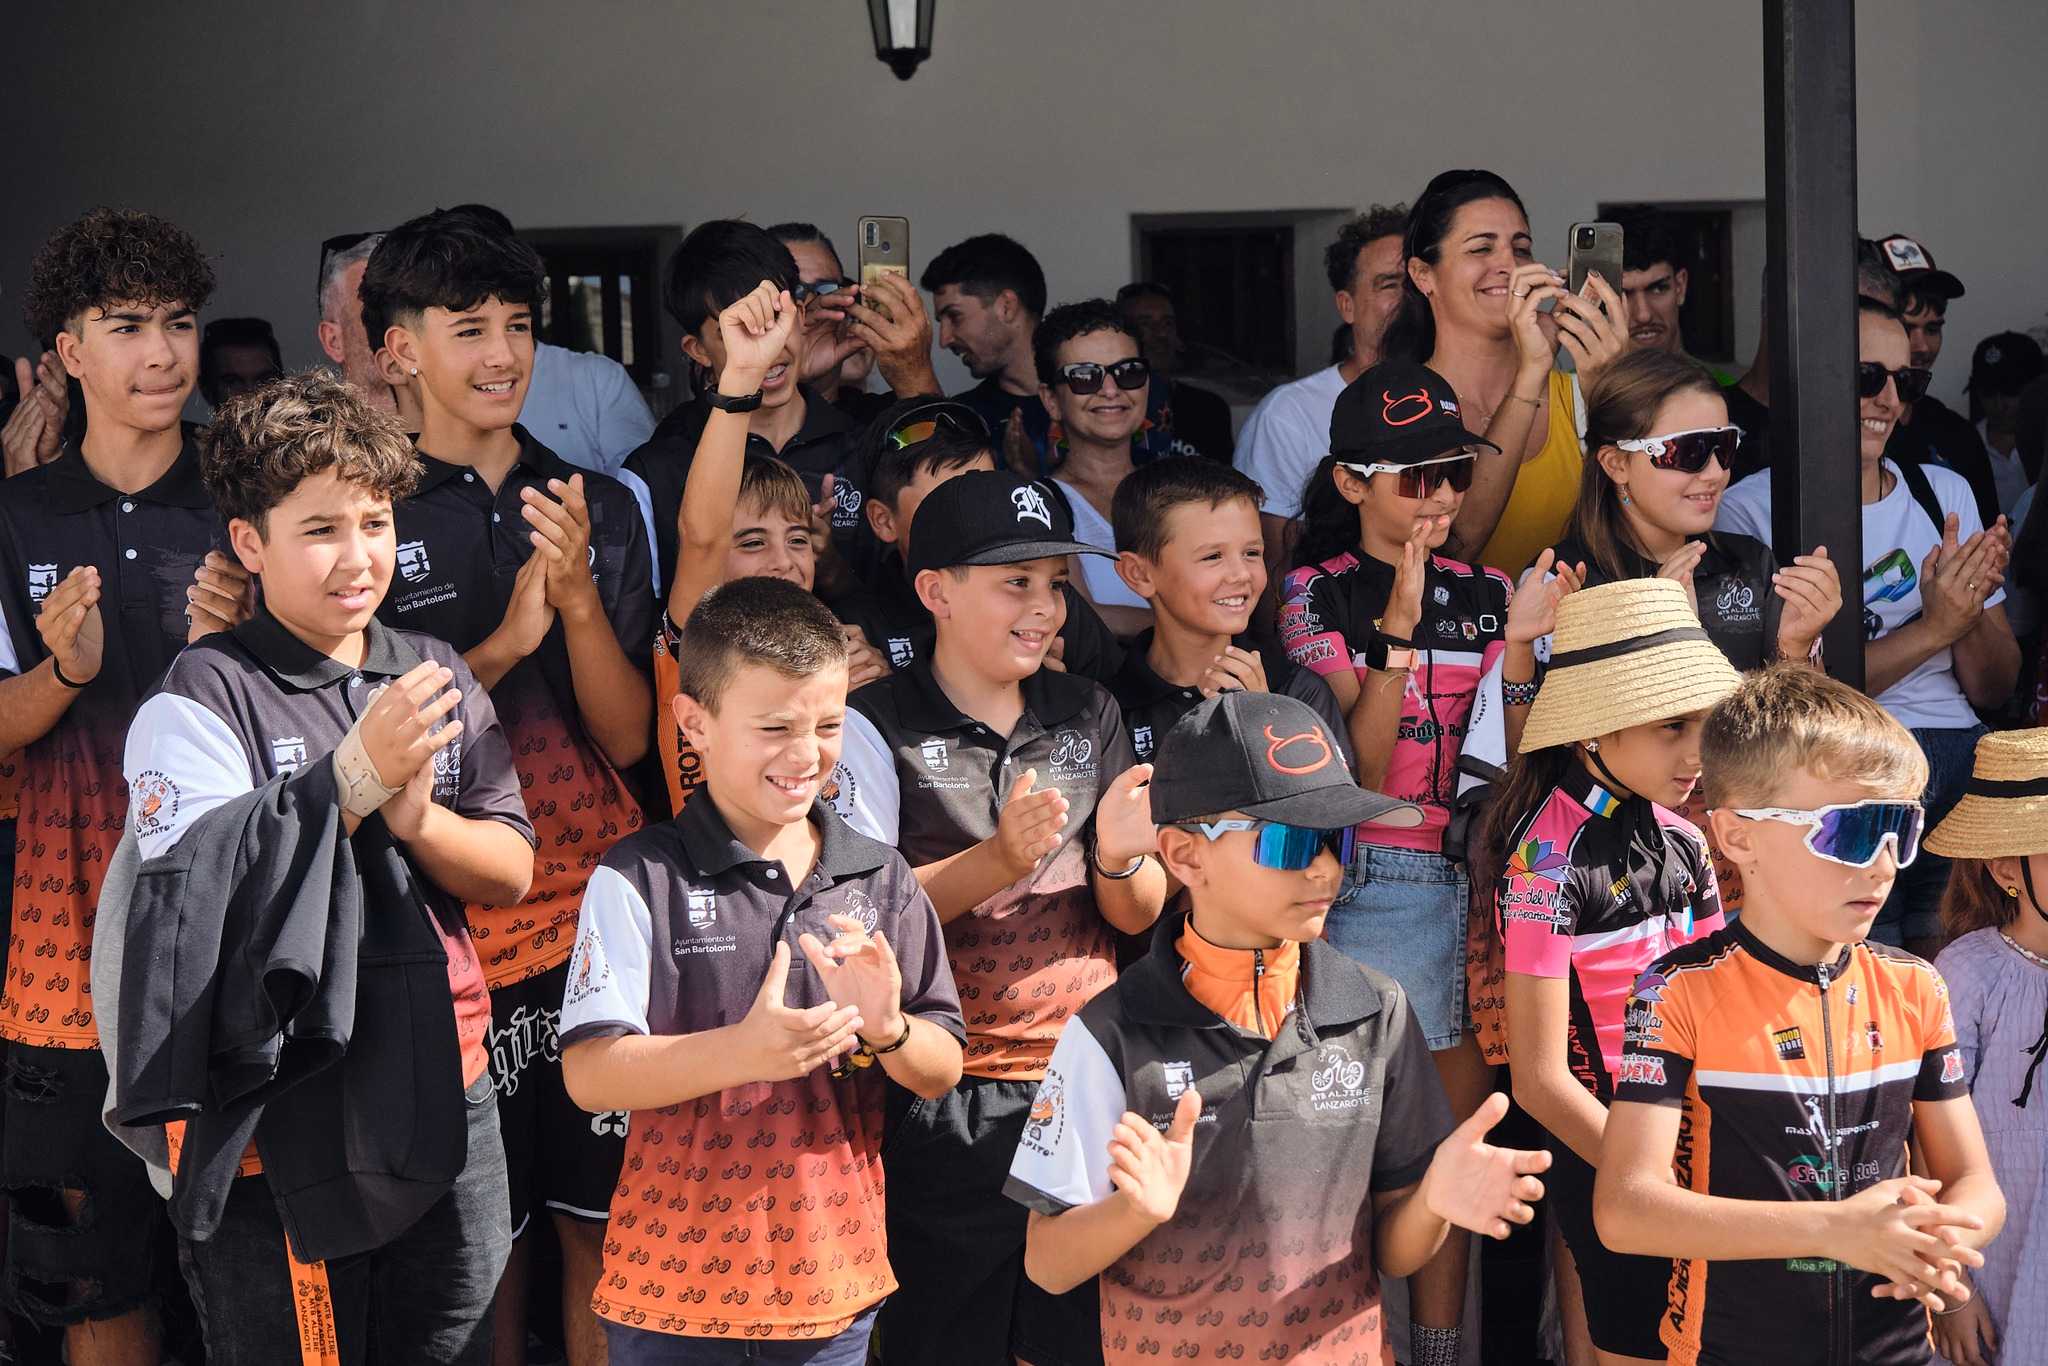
956, 1242
52, 1140
1625, 1295
557, 1155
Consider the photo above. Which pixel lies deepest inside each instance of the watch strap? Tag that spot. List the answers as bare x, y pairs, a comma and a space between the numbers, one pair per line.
745, 403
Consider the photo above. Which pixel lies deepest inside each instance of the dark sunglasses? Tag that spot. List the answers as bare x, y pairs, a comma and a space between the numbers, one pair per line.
1687, 452
1419, 481
1912, 380
921, 424
1854, 833
1085, 376
1283, 848
807, 290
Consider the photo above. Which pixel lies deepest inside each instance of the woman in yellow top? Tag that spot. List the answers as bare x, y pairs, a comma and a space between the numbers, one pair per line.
1469, 311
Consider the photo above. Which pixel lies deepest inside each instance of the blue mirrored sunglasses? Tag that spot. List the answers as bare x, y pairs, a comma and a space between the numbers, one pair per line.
1283, 848
1853, 833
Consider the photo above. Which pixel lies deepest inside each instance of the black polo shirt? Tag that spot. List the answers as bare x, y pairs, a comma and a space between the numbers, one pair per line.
678, 927
895, 622
1732, 581
147, 547
460, 548
1150, 705
826, 443
1271, 1247
916, 772
243, 706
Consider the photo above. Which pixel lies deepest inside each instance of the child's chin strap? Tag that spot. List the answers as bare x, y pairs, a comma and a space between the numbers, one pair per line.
2039, 1049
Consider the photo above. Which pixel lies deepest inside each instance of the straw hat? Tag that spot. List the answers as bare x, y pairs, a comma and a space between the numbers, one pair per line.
1627, 653
2004, 810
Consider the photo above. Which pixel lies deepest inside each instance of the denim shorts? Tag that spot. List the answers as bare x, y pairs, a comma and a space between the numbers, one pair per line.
1402, 911
641, 1347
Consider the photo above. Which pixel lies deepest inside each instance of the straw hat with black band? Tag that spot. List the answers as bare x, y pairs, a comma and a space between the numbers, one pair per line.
1628, 653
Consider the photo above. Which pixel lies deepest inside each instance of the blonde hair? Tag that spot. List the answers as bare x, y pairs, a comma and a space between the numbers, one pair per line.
1791, 718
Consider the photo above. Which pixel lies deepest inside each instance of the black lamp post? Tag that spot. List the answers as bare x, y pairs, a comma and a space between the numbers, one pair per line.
903, 33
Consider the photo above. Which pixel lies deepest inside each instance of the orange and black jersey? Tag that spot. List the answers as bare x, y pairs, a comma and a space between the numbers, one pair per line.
1797, 1082
460, 549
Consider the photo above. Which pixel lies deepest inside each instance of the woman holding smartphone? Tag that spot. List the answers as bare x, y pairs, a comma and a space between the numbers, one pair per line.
1470, 310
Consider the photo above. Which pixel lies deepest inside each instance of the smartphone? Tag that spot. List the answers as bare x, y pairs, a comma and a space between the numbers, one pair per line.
1594, 246
884, 247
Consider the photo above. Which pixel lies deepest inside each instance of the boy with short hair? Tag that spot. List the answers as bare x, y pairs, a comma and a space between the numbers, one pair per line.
1304, 1155
1012, 790
1776, 1071
319, 794
1189, 543
684, 1008
908, 451
110, 561
541, 574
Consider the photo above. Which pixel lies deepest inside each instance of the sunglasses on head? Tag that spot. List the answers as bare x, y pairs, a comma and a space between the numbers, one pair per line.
1283, 848
1689, 451
1419, 481
921, 424
340, 243
1085, 376
1854, 833
1912, 380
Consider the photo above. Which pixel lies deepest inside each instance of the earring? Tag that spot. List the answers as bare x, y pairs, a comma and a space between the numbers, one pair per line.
1625, 499
2013, 892
415, 372
1592, 746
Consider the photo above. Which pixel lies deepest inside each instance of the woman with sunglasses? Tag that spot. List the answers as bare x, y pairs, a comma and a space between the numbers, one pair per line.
1405, 637
1597, 878
1471, 309
1938, 648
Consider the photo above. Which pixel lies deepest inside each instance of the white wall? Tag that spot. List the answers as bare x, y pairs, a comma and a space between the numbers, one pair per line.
264, 127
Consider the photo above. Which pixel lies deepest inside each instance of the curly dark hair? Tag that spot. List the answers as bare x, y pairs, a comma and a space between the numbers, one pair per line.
1082, 318
1340, 258
113, 256
450, 258
264, 443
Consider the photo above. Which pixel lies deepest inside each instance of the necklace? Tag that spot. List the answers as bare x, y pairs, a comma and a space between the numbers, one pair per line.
2023, 951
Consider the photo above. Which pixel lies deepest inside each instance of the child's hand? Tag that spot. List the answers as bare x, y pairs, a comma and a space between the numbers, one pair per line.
563, 527
398, 730
1532, 613
70, 625
1678, 567
529, 615
1123, 819
1895, 1230
1029, 827
780, 1044
1234, 670
864, 663
1967, 1337
222, 597
1055, 655
756, 330
1812, 592
405, 814
1404, 601
859, 969
1477, 1186
1150, 1169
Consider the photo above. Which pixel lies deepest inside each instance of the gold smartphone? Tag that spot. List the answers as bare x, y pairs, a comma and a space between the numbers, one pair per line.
884, 247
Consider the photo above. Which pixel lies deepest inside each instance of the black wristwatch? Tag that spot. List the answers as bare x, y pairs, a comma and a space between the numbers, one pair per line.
745, 403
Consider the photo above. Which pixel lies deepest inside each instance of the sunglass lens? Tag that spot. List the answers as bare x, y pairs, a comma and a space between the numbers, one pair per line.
1291, 848
1083, 377
1130, 374
1855, 835
1458, 474
1870, 377
1419, 481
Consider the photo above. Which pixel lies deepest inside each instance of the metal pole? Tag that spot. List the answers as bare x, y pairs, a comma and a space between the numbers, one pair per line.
1810, 212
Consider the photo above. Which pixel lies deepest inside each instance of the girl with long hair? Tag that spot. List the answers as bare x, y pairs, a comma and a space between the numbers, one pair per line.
1996, 967
1471, 310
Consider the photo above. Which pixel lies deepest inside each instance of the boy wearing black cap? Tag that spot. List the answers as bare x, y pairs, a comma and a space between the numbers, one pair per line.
1930, 430
1012, 790
2001, 367
1303, 1153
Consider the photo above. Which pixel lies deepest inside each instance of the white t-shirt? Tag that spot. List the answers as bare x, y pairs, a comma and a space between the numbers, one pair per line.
1897, 534
584, 408
1105, 587
1286, 435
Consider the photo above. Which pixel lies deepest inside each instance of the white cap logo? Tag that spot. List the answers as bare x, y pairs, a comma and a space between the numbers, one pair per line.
1031, 506
1906, 254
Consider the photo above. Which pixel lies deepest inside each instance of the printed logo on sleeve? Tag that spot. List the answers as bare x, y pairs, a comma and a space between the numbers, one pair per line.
42, 579
901, 652
153, 799
1952, 1066
846, 501
1046, 1124
591, 972
1642, 1069
840, 789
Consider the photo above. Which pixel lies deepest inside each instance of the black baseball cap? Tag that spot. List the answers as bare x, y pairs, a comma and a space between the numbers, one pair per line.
1916, 269
2005, 363
991, 517
1269, 756
1399, 413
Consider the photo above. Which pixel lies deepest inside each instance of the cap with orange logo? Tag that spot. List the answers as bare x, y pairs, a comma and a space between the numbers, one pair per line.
1269, 756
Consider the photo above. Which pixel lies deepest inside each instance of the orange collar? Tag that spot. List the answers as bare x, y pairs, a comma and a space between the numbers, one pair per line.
1252, 989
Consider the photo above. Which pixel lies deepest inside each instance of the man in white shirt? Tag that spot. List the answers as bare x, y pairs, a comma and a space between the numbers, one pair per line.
585, 408
1289, 432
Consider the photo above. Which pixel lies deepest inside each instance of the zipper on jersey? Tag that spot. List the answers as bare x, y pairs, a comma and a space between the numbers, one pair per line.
1838, 1336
